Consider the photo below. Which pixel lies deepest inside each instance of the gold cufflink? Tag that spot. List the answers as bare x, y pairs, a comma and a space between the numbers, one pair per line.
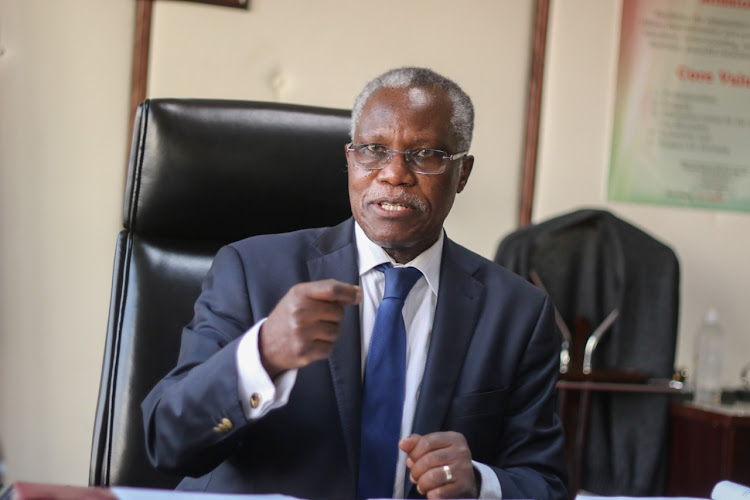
255, 400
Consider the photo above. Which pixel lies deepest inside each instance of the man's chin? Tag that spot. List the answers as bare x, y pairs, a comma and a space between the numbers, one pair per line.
391, 244
389, 233
396, 245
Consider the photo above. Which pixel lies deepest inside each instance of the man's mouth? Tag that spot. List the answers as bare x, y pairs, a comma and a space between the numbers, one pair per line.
399, 204
393, 207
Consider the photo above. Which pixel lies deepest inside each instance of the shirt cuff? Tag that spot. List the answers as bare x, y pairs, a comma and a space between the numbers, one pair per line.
257, 392
490, 483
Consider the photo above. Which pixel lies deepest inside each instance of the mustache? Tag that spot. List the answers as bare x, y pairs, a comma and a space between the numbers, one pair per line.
398, 196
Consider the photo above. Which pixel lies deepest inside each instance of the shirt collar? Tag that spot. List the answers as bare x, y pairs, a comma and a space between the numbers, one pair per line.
428, 262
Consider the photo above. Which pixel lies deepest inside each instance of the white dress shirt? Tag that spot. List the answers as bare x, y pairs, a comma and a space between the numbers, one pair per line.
259, 394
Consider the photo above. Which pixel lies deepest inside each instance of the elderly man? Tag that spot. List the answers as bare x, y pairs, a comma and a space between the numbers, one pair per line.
376, 358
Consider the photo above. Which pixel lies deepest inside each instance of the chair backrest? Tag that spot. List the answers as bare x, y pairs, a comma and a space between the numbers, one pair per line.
592, 262
202, 173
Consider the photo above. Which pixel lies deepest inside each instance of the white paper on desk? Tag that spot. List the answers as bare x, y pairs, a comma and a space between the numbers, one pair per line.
124, 493
727, 490
597, 497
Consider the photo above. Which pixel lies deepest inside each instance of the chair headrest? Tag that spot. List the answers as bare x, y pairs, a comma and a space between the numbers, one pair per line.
225, 170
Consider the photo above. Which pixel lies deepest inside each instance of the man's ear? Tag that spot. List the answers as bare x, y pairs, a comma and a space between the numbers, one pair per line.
467, 163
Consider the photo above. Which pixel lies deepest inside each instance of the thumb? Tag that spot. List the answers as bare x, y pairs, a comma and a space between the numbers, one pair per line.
408, 443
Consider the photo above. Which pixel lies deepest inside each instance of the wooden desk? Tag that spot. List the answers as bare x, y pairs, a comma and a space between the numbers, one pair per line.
574, 399
707, 445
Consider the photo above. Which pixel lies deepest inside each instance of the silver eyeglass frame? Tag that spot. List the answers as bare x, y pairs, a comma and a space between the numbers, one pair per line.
350, 148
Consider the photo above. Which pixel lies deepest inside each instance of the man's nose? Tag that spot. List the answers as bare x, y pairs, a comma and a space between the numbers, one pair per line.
397, 171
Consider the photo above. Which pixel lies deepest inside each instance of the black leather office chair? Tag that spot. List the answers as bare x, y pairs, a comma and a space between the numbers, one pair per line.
202, 173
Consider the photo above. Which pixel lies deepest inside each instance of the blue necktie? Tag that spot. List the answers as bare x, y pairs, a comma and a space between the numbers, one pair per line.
383, 388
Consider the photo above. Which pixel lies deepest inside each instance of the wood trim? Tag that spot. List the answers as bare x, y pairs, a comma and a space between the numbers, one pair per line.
141, 45
239, 4
533, 112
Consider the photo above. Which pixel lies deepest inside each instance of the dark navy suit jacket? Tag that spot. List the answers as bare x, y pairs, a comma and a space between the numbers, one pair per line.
490, 375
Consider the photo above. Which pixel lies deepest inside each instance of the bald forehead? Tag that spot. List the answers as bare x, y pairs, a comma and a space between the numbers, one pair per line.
420, 97
429, 100
417, 97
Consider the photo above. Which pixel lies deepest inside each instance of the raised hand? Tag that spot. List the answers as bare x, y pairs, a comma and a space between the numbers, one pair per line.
304, 325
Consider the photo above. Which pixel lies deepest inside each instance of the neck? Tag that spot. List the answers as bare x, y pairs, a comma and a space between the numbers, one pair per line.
404, 255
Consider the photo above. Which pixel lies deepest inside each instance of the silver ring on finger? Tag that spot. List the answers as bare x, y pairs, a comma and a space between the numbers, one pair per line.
448, 473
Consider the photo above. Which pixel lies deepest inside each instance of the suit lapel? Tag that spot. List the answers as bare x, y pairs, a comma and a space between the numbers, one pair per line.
338, 260
456, 315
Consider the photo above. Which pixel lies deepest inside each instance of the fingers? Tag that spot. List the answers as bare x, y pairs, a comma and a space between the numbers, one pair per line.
331, 290
315, 309
435, 444
408, 443
308, 312
305, 324
428, 456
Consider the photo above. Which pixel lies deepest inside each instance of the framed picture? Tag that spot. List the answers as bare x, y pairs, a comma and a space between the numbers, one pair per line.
238, 4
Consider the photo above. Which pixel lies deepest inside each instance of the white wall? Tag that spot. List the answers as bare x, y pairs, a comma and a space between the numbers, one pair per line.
64, 89
579, 95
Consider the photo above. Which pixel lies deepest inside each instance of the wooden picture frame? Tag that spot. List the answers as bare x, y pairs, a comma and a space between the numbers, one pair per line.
237, 4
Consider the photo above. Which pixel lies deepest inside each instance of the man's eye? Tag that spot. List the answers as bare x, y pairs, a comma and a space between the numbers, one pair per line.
423, 153
375, 149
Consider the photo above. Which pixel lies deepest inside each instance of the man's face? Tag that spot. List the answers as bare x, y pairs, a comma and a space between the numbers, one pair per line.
398, 209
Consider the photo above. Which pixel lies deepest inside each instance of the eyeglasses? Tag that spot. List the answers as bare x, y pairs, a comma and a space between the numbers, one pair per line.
421, 161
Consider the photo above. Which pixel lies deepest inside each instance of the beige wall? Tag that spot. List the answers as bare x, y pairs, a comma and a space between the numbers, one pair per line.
206, 51
579, 95
64, 80
63, 96
64, 86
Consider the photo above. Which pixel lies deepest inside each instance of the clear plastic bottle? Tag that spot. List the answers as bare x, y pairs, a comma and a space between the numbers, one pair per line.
709, 345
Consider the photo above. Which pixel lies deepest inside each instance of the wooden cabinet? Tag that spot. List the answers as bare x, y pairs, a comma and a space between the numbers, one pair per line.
707, 445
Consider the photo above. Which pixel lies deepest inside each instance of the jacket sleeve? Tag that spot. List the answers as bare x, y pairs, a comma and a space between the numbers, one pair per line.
193, 417
531, 460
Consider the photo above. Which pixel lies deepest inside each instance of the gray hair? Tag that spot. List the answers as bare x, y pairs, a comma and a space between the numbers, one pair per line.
462, 121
